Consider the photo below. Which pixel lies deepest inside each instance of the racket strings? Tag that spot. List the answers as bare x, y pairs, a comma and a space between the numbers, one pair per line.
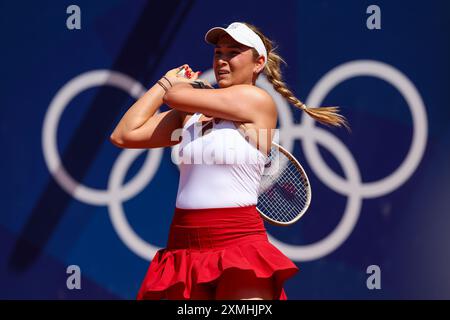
284, 189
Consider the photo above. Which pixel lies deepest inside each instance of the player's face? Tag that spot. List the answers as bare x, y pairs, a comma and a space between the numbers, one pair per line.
233, 62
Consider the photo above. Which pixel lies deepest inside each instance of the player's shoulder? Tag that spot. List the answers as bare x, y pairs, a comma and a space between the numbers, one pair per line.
257, 94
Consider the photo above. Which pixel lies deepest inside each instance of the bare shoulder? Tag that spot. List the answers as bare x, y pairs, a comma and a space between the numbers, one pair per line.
263, 107
259, 99
254, 91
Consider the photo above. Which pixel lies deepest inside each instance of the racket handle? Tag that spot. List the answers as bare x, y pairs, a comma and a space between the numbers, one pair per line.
197, 83
182, 72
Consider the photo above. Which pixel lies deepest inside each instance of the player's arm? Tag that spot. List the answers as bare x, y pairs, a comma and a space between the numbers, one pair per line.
243, 103
140, 127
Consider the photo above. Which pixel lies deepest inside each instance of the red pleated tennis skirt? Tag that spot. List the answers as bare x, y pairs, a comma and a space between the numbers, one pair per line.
204, 244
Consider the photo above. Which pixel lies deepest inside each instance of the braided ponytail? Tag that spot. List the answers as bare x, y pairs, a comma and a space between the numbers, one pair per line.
325, 115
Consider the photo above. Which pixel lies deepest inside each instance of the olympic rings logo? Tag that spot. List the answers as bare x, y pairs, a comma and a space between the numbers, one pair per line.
117, 192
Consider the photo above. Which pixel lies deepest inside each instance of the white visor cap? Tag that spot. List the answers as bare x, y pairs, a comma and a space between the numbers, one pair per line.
242, 34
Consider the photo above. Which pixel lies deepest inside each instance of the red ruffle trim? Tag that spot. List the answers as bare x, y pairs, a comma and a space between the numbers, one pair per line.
182, 269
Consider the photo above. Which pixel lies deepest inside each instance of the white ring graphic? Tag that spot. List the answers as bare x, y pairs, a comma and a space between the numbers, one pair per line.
118, 218
353, 187
113, 194
352, 210
419, 117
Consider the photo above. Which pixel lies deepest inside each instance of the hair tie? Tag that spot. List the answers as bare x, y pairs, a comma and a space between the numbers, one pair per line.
162, 85
168, 81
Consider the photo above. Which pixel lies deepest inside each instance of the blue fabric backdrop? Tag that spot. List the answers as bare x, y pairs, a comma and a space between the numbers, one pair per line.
380, 193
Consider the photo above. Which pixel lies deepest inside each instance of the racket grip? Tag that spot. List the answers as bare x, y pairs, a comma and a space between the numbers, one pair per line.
182, 72
197, 83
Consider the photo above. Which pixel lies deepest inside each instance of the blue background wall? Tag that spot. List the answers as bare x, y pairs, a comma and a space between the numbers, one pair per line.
48, 221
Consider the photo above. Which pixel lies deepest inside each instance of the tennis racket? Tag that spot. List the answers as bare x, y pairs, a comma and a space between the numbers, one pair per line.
285, 192
198, 84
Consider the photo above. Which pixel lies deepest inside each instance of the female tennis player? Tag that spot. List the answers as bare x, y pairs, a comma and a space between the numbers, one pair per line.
217, 246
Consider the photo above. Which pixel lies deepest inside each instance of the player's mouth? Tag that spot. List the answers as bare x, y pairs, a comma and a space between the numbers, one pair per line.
222, 73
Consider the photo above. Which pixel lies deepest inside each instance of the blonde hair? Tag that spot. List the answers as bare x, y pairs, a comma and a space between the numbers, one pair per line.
325, 115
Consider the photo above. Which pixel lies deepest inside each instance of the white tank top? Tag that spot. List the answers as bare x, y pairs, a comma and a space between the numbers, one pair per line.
219, 169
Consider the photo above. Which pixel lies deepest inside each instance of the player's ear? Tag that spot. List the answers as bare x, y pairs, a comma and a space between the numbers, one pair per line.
259, 64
